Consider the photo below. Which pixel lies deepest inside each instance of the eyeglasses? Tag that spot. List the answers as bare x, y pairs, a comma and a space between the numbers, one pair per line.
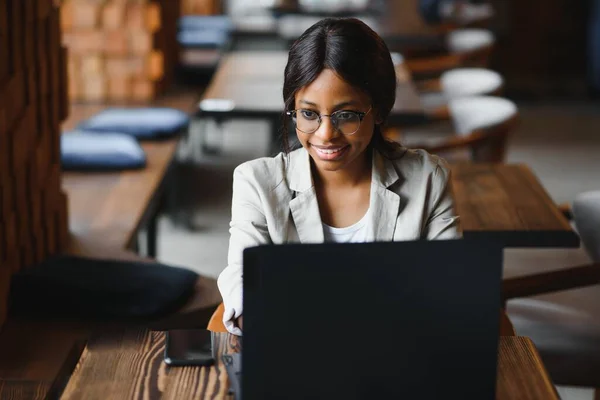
345, 121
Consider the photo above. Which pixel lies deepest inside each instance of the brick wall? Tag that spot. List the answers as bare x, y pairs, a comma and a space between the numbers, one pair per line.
120, 50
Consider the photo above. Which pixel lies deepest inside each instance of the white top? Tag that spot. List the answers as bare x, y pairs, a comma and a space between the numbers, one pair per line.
356, 233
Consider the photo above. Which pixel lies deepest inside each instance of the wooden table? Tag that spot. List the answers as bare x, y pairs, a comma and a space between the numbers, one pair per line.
397, 22
397, 36
508, 203
249, 85
112, 207
131, 362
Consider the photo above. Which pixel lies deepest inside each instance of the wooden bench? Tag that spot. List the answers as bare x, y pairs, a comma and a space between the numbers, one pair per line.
113, 207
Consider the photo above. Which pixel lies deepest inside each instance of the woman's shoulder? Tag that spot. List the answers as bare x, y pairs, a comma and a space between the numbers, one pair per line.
267, 172
415, 160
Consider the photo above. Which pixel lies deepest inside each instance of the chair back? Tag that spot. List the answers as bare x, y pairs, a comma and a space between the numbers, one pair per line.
469, 39
465, 48
586, 213
462, 82
486, 121
474, 46
467, 14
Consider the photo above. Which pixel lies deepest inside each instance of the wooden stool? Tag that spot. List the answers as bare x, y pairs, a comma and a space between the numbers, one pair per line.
216, 321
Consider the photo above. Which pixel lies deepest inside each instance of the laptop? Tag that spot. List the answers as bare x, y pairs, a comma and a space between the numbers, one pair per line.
410, 320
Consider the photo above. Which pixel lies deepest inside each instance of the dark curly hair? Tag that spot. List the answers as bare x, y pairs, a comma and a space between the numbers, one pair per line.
355, 53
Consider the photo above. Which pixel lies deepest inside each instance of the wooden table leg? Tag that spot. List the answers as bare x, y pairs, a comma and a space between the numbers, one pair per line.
151, 231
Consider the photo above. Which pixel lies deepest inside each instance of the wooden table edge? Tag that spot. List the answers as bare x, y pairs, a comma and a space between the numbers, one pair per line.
540, 364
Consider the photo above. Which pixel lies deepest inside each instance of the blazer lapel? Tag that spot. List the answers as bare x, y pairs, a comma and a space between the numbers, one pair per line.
307, 218
384, 203
304, 205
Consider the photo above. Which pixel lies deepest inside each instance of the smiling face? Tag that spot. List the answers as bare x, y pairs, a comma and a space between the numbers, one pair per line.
330, 149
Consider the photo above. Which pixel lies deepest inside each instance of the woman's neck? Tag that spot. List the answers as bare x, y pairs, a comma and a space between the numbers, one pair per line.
353, 174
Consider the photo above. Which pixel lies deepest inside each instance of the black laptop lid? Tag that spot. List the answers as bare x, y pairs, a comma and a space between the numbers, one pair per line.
360, 321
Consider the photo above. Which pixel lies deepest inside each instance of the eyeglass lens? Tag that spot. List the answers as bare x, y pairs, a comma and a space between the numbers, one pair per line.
346, 122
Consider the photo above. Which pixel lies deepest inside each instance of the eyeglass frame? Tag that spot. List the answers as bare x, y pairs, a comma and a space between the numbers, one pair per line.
361, 115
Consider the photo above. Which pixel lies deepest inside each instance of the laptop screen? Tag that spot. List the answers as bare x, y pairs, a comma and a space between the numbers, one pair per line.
404, 319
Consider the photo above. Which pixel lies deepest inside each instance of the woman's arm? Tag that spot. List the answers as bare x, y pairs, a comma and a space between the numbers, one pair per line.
248, 228
443, 221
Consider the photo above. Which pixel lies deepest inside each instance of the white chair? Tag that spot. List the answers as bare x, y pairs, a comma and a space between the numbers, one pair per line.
466, 14
481, 124
463, 82
474, 113
555, 299
460, 82
586, 211
464, 48
469, 40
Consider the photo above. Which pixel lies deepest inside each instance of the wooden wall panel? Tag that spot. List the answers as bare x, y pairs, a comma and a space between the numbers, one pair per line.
541, 47
32, 106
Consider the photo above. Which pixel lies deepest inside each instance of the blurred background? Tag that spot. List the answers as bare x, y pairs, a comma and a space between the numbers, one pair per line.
153, 103
541, 56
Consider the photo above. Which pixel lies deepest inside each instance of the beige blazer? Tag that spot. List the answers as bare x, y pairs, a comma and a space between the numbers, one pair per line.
274, 202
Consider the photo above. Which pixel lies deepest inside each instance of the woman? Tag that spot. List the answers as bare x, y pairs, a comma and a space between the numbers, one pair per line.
345, 183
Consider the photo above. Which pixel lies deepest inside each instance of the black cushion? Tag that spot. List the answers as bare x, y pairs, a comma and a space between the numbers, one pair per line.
68, 286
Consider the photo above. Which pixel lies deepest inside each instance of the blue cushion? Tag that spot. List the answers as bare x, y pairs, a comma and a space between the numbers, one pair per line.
100, 151
201, 22
202, 38
142, 123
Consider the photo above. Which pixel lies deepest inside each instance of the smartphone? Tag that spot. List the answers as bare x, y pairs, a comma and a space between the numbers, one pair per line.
189, 347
